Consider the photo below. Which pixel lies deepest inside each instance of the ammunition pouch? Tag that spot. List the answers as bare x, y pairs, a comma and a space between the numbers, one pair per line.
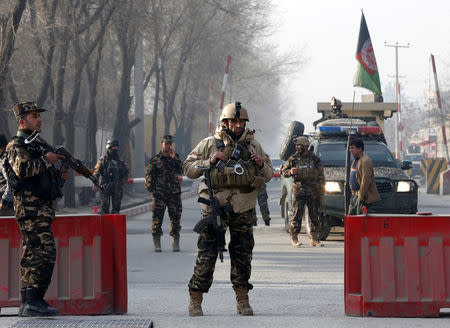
307, 173
232, 175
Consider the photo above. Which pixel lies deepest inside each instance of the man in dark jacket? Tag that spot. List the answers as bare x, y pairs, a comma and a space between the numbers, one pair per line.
114, 173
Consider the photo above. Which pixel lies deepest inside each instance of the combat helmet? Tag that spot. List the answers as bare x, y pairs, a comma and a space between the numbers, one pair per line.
335, 102
302, 141
112, 143
235, 110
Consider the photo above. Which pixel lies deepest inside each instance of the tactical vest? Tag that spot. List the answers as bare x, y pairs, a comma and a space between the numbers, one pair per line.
227, 177
45, 186
307, 172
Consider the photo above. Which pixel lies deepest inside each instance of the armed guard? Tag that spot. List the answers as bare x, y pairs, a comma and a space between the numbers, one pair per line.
35, 183
6, 195
161, 179
238, 169
263, 207
114, 173
309, 182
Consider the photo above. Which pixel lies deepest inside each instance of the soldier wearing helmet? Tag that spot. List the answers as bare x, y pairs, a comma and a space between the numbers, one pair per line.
308, 187
232, 144
336, 105
114, 173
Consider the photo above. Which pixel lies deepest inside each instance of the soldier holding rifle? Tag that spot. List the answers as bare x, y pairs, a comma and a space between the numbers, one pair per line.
238, 169
35, 183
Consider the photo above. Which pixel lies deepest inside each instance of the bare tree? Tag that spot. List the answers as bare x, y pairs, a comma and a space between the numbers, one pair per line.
9, 24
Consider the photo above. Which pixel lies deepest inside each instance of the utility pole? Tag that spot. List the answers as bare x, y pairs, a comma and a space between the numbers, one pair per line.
224, 85
139, 141
397, 116
438, 98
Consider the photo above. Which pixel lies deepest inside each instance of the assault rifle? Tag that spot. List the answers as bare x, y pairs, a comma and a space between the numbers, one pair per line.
214, 220
68, 161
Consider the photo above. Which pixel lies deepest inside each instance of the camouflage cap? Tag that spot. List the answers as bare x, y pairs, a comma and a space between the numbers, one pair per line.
167, 139
26, 107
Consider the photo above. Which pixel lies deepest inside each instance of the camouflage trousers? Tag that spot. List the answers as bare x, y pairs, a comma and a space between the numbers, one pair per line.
39, 252
240, 249
110, 196
174, 207
263, 206
302, 199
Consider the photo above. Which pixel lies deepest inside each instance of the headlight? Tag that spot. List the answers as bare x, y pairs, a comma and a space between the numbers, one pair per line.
332, 187
403, 186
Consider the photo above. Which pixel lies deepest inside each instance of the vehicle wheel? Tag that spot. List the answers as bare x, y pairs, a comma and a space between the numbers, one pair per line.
325, 227
288, 146
287, 209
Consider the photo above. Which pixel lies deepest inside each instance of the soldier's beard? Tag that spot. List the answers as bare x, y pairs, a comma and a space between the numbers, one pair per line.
233, 135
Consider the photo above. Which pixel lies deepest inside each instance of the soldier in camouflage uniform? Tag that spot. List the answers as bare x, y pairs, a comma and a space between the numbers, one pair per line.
35, 184
114, 173
236, 190
263, 207
6, 195
161, 179
309, 182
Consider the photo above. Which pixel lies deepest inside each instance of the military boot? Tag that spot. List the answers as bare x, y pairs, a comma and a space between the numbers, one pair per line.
295, 241
315, 240
23, 293
176, 243
195, 303
35, 306
243, 307
157, 243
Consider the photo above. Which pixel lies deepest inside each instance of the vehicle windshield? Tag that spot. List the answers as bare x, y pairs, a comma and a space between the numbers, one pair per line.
332, 154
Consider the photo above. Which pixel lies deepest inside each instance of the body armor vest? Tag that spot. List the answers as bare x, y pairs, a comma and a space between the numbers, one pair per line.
237, 172
307, 172
45, 186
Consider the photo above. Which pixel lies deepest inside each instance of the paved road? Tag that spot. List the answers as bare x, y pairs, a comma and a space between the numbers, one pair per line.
292, 287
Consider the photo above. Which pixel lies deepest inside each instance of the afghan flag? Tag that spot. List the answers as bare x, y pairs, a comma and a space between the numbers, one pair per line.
367, 71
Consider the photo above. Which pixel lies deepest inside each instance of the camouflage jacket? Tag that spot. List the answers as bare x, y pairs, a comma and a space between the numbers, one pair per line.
162, 174
6, 195
205, 150
314, 186
111, 171
25, 163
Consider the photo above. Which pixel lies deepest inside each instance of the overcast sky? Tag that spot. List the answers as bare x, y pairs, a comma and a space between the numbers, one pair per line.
326, 33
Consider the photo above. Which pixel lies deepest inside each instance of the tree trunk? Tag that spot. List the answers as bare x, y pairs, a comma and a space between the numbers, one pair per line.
121, 126
8, 37
155, 112
58, 117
